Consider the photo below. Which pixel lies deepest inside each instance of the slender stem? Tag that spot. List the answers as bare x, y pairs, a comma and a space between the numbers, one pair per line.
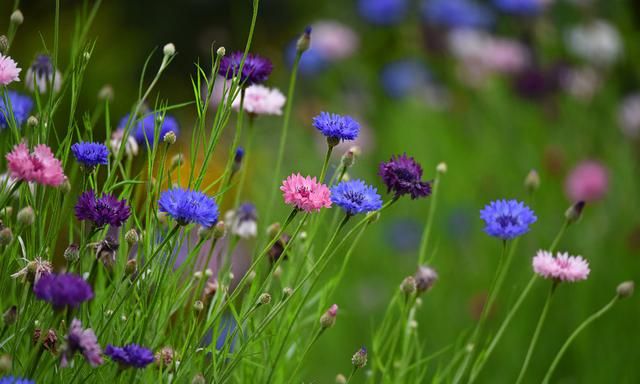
422, 254
575, 334
306, 351
536, 333
325, 165
245, 162
353, 371
229, 170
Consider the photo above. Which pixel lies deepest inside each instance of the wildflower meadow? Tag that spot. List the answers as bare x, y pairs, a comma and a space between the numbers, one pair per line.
282, 191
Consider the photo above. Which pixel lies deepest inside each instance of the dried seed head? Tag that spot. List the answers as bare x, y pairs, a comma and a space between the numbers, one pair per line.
221, 51
106, 93
198, 306
131, 267
287, 292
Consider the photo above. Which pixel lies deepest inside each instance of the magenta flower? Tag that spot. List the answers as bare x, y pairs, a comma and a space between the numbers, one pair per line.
562, 267
588, 181
305, 193
40, 166
9, 70
83, 341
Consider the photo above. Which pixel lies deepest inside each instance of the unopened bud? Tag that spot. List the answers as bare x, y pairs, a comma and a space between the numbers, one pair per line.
425, 277
237, 160
349, 157
170, 138
169, 49
10, 315
5, 364
264, 299
359, 359
341, 379
408, 285
198, 275
208, 272
304, 41
32, 122
287, 292
328, 319
65, 187
4, 44
199, 379
441, 168
26, 216
131, 267
6, 236
132, 237
198, 306
176, 161
72, 253
221, 52
625, 289
17, 17
106, 93
574, 212
273, 230
532, 181
219, 230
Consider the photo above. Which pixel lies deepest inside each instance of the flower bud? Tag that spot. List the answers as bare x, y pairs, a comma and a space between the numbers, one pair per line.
199, 379
221, 52
197, 275
72, 253
170, 138
425, 277
264, 299
408, 285
6, 212
359, 359
176, 161
625, 289
341, 379
198, 306
273, 230
10, 315
328, 319
65, 187
304, 41
287, 292
131, 267
237, 160
349, 157
6, 236
164, 358
441, 168
86, 55
169, 49
219, 230
106, 93
208, 272
4, 44
132, 237
17, 17
26, 216
532, 181
574, 212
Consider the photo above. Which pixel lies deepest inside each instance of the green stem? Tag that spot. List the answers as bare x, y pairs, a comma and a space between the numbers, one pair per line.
245, 163
306, 351
229, 172
422, 254
325, 165
575, 334
353, 371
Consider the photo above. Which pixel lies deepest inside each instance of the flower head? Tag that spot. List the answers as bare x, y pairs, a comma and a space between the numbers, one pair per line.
131, 147
255, 70
354, 196
561, 268
507, 219
520, 7
336, 127
383, 12
9, 70
41, 75
456, 14
83, 341
404, 78
243, 221
15, 380
186, 206
103, 210
62, 290
588, 181
90, 154
260, 100
305, 193
21, 106
402, 175
34, 270
146, 129
39, 166
131, 355
425, 278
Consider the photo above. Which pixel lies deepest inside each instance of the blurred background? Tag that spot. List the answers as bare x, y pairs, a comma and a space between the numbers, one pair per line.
493, 88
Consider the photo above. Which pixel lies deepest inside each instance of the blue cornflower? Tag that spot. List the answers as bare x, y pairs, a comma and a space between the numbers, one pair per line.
131, 355
507, 219
21, 105
404, 77
519, 7
354, 196
186, 206
336, 127
90, 154
456, 14
144, 130
383, 12
15, 380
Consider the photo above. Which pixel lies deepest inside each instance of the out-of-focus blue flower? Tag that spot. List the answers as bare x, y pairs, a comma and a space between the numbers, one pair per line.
144, 129
21, 105
507, 219
404, 77
354, 196
334, 126
15, 380
383, 12
312, 61
186, 206
90, 154
519, 7
131, 355
404, 234
456, 14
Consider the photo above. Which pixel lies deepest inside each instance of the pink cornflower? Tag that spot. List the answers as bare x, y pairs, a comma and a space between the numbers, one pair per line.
9, 70
260, 100
562, 267
305, 194
588, 181
38, 166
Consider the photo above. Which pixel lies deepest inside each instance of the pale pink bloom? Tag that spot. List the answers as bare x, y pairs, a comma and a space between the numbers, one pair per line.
333, 310
40, 166
334, 40
130, 147
629, 115
588, 181
260, 100
305, 193
505, 55
562, 267
481, 52
9, 70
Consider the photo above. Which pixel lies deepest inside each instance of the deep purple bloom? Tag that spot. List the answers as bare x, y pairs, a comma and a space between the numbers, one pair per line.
15, 380
144, 130
519, 7
83, 341
131, 355
255, 70
186, 206
383, 12
90, 154
62, 290
507, 219
103, 210
337, 127
456, 14
402, 175
354, 196
21, 105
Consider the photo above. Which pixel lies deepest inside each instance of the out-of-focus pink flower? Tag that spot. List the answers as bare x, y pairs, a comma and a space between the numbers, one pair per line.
629, 115
588, 181
562, 267
305, 193
581, 83
260, 100
483, 52
40, 166
505, 55
131, 147
9, 70
334, 40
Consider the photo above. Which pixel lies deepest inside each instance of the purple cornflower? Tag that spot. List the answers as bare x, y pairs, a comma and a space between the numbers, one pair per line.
383, 12
336, 127
21, 105
255, 70
186, 206
131, 355
41, 75
83, 341
507, 219
144, 130
15, 380
90, 154
103, 210
243, 221
402, 175
62, 290
354, 196
456, 14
